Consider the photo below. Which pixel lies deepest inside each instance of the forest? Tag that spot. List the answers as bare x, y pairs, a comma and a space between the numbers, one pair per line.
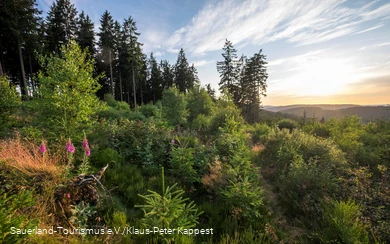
104, 144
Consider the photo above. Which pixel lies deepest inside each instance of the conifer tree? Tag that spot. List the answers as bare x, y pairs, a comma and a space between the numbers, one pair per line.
254, 85
155, 78
61, 25
229, 71
18, 25
185, 76
85, 33
106, 56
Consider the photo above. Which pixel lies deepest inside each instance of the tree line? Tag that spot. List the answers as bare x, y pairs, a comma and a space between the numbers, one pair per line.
129, 74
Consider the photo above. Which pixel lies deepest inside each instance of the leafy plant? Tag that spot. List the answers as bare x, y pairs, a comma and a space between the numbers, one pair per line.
168, 210
81, 213
67, 91
12, 217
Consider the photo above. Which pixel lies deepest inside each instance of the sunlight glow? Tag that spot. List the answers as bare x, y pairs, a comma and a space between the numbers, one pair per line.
323, 77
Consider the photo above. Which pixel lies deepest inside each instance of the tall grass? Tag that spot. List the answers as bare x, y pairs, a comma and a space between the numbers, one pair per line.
26, 158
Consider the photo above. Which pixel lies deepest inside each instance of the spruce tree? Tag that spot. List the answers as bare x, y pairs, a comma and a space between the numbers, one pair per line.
106, 56
61, 25
168, 75
18, 25
155, 78
85, 33
229, 72
253, 86
182, 72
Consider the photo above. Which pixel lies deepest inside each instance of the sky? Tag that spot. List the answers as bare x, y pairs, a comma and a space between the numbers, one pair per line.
318, 51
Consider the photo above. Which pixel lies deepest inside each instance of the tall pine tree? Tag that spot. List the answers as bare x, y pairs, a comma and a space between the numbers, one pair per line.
18, 27
85, 33
229, 71
61, 25
254, 85
105, 56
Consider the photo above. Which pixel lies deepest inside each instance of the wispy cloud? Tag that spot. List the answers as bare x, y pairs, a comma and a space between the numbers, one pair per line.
301, 22
202, 62
370, 29
374, 46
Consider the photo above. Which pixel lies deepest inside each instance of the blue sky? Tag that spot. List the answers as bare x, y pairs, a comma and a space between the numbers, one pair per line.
318, 51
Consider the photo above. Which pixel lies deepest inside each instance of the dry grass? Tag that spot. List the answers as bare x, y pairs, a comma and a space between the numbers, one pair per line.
26, 157
258, 148
214, 178
34, 171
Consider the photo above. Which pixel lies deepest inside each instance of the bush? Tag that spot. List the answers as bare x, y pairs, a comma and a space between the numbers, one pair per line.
9, 99
260, 132
67, 90
343, 224
174, 107
11, 215
287, 124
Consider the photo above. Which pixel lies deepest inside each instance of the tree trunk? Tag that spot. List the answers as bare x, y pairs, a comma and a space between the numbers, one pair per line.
23, 83
1, 70
120, 84
135, 97
31, 74
111, 79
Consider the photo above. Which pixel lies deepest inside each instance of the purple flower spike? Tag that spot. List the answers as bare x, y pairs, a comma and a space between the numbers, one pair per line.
70, 147
172, 141
88, 152
85, 143
43, 148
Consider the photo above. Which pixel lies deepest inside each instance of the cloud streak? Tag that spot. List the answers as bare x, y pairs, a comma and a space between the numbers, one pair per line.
301, 22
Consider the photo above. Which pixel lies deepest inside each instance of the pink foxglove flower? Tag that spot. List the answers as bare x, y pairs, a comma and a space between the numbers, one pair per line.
85, 143
69, 147
43, 148
68, 195
88, 152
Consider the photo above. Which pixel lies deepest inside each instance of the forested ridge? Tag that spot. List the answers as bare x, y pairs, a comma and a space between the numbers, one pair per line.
106, 138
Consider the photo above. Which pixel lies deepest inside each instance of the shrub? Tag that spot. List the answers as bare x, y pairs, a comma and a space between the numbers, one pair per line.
174, 107
11, 215
343, 223
168, 210
260, 132
9, 99
67, 90
287, 124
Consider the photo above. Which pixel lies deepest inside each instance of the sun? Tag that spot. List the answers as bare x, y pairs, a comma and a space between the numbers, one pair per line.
324, 77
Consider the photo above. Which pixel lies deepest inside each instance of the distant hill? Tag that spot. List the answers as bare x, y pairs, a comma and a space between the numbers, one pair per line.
367, 113
323, 106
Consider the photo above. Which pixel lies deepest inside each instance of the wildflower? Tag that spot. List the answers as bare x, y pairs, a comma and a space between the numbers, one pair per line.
88, 152
173, 141
69, 147
43, 148
85, 143
68, 195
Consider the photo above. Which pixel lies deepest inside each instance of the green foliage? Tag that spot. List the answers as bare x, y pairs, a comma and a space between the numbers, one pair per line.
182, 164
140, 142
67, 92
106, 156
9, 99
174, 107
12, 214
245, 199
344, 224
198, 103
260, 132
224, 110
168, 210
287, 124
81, 214
149, 110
